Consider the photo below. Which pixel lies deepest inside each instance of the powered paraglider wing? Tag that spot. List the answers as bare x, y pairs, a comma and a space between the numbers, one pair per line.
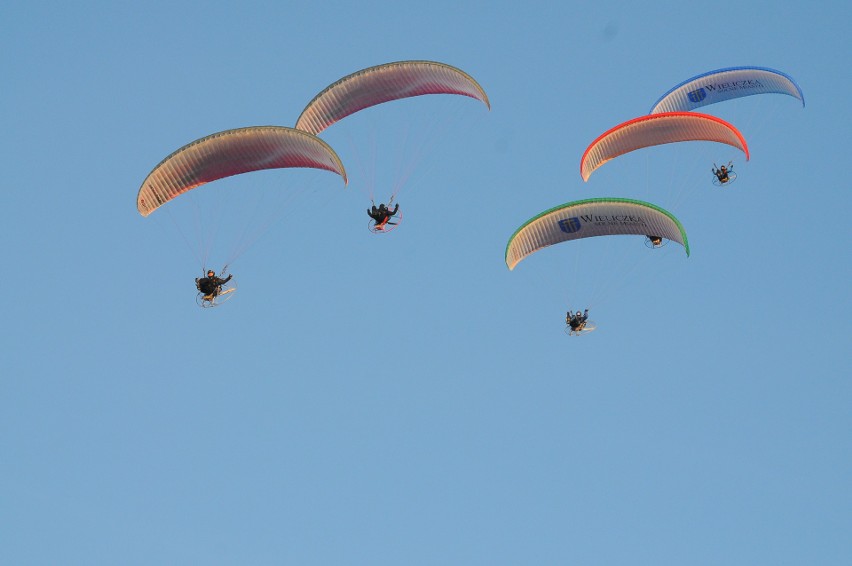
726, 84
590, 218
383, 83
658, 129
233, 152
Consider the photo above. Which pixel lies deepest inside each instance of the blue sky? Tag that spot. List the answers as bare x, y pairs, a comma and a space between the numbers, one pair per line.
405, 399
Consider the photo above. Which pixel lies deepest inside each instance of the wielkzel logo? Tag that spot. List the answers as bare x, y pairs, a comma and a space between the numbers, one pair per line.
570, 225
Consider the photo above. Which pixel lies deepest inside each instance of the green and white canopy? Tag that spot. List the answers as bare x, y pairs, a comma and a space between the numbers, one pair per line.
589, 218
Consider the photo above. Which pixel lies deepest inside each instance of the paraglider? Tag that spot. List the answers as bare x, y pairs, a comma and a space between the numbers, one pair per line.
212, 287
723, 85
658, 129
225, 154
724, 175
381, 216
592, 218
578, 323
377, 85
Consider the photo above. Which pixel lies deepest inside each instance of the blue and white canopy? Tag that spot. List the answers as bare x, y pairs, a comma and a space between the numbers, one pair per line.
726, 84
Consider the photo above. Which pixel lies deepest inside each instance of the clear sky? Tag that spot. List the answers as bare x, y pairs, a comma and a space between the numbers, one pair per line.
405, 398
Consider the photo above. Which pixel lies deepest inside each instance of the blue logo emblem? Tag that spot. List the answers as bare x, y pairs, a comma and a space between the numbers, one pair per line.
697, 95
570, 225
